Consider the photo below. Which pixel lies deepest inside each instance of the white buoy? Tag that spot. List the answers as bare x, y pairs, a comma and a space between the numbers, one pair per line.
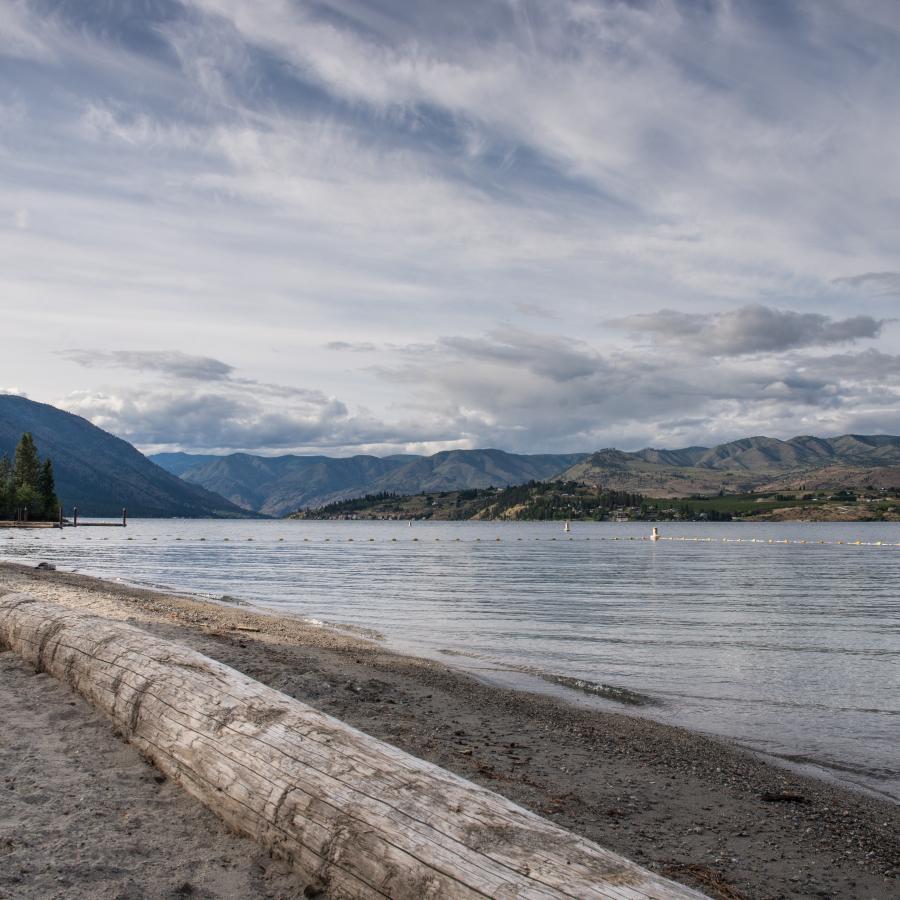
567, 527
654, 535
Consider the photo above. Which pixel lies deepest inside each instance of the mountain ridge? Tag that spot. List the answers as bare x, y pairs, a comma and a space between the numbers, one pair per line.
284, 484
99, 472
737, 466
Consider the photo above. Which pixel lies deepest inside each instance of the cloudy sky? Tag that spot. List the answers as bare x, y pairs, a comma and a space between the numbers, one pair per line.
371, 225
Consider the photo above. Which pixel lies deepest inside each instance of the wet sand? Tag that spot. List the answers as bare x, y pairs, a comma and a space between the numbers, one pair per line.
677, 802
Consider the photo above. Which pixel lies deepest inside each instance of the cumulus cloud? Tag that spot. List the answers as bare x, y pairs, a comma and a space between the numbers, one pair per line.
165, 362
656, 396
750, 329
200, 403
227, 421
518, 390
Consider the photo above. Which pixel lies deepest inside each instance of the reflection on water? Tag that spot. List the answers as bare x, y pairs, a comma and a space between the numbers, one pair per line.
790, 648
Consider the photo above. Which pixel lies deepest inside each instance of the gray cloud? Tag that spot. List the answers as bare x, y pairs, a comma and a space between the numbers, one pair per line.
199, 403
559, 359
352, 346
658, 396
522, 391
219, 421
877, 283
751, 329
166, 362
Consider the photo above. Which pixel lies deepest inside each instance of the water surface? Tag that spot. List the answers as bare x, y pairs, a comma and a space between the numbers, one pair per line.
792, 649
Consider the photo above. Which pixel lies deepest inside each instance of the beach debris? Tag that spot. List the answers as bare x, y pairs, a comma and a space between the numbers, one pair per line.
607, 691
246, 628
713, 882
782, 797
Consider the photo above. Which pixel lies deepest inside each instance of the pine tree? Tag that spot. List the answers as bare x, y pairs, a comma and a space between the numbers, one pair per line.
7, 502
47, 490
27, 465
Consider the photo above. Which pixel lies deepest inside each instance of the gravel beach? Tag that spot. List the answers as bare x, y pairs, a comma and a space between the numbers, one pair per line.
83, 815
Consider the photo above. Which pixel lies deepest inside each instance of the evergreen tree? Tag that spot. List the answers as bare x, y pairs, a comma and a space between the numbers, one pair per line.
27, 483
7, 502
47, 490
28, 500
27, 465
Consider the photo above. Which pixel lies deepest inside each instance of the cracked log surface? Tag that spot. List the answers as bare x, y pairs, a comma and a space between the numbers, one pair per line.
360, 817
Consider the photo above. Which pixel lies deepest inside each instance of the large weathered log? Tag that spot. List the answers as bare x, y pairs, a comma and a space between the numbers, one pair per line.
351, 812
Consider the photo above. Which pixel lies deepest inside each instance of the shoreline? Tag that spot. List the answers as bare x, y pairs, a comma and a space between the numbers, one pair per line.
687, 805
572, 691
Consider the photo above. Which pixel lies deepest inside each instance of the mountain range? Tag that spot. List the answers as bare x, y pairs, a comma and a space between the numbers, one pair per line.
284, 484
280, 485
100, 473
750, 464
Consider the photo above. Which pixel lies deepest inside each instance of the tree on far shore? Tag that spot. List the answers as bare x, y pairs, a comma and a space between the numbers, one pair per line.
27, 465
27, 483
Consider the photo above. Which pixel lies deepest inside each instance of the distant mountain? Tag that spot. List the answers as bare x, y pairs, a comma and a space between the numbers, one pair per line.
177, 463
284, 484
745, 465
100, 473
281, 485
457, 469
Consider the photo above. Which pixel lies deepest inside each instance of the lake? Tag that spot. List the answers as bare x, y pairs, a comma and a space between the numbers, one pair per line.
792, 649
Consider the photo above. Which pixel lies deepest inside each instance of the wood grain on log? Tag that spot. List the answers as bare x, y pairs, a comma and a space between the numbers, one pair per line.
358, 816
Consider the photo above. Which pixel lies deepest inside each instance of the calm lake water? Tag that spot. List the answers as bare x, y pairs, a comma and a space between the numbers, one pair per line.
791, 649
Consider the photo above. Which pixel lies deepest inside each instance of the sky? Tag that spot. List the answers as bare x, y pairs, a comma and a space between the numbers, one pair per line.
349, 227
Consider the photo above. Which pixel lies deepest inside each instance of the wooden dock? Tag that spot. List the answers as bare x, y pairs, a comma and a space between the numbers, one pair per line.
10, 523
63, 522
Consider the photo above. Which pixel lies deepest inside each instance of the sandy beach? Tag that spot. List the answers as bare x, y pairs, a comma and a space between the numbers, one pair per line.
84, 815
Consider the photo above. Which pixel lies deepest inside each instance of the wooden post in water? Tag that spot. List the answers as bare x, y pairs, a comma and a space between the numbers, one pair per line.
75, 516
60, 515
124, 516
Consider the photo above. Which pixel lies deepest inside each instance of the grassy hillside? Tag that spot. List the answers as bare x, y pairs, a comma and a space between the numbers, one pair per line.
570, 500
752, 464
532, 501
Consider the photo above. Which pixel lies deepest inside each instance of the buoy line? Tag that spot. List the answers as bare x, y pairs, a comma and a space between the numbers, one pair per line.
653, 538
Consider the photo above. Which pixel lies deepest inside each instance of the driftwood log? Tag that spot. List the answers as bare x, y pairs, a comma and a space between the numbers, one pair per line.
357, 817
